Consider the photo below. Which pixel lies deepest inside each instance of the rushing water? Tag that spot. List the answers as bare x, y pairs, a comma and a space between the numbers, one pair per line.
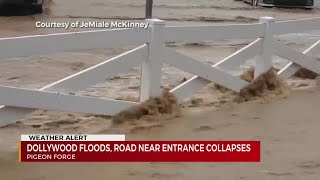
175, 12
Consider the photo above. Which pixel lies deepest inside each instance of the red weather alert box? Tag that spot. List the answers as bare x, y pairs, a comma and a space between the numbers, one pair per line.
114, 148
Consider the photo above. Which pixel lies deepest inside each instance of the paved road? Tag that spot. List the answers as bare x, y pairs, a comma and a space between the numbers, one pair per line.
210, 10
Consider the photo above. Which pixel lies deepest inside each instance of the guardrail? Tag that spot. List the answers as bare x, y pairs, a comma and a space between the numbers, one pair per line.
150, 53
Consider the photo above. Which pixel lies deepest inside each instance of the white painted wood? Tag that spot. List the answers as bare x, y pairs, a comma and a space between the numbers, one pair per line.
241, 56
264, 62
196, 83
151, 66
81, 80
219, 32
74, 41
291, 68
314, 49
200, 69
309, 62
99, 72
152, 55
61, 102
297, 26
188, 88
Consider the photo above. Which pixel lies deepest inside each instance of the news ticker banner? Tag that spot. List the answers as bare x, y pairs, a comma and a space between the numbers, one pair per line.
114, 148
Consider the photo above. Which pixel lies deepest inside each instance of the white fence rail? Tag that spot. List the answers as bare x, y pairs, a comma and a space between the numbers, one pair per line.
204, 33
75, 41
150, 54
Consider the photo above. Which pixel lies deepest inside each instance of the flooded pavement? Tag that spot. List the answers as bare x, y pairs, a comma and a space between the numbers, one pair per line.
175, 11
40, 70
276, 127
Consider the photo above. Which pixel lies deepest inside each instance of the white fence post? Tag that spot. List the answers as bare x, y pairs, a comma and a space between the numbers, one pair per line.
264, 62
151, 67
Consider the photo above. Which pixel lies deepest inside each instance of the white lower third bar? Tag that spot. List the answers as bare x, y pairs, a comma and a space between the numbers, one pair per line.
72, 137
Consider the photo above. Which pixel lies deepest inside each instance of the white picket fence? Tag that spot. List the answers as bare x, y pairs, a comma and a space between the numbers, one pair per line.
150, 53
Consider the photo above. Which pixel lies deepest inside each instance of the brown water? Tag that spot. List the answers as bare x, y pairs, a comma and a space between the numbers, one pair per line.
288, 151
202, 11
37, 71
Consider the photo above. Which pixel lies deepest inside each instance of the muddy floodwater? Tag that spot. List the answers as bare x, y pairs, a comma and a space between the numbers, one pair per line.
174, 11
39, 70
287, 135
